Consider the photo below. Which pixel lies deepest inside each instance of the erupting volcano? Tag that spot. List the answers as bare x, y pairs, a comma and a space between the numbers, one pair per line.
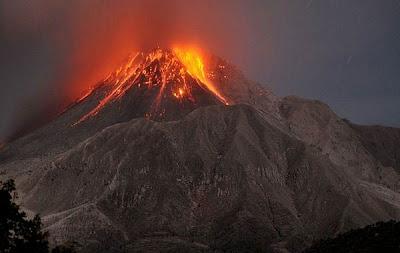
159, 82
264, 174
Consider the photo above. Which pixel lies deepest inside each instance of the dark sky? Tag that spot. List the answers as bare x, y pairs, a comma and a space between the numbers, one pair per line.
343, 52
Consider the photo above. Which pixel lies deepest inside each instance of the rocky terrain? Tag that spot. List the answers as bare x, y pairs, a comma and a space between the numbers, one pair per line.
261, 173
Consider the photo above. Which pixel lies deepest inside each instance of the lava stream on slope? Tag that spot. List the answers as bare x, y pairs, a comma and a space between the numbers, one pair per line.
176, 75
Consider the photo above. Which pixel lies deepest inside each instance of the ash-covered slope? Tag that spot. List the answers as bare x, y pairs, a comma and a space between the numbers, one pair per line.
221, 178
138, 166
381, 142
369, 153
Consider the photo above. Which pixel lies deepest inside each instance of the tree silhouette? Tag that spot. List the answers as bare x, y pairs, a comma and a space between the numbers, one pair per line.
379, 237
18, 233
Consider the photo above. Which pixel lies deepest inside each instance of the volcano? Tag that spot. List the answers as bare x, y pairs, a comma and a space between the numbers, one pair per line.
177, 151
160, 85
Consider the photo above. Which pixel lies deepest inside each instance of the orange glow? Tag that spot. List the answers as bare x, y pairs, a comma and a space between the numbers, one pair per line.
195, 67
179, 94
166, 70
117, 79
91, 37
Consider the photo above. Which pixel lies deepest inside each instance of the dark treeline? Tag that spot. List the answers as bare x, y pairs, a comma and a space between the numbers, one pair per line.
18, 233
380, 237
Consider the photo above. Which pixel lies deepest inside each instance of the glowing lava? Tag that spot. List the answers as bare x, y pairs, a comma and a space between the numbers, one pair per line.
195, 67
169, 73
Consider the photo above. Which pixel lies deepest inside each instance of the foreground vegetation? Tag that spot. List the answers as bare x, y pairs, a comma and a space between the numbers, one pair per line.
18, 233
380, 237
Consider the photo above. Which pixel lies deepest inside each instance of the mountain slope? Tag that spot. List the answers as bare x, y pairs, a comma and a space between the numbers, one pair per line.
260, 174
382, 143
212, 177
345, 144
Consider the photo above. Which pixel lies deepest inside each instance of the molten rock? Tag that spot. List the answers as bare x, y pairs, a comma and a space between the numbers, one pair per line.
157, 85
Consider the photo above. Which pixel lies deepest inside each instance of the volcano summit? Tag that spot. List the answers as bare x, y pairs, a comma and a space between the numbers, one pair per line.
177, 151
160, 82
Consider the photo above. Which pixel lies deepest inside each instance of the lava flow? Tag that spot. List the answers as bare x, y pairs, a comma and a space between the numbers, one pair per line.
195, 67
169, 74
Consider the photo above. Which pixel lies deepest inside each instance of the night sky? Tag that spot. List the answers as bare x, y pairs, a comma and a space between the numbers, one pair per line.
343, 52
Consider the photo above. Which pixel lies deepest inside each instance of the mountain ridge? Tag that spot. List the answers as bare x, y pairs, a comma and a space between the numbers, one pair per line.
263, 173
